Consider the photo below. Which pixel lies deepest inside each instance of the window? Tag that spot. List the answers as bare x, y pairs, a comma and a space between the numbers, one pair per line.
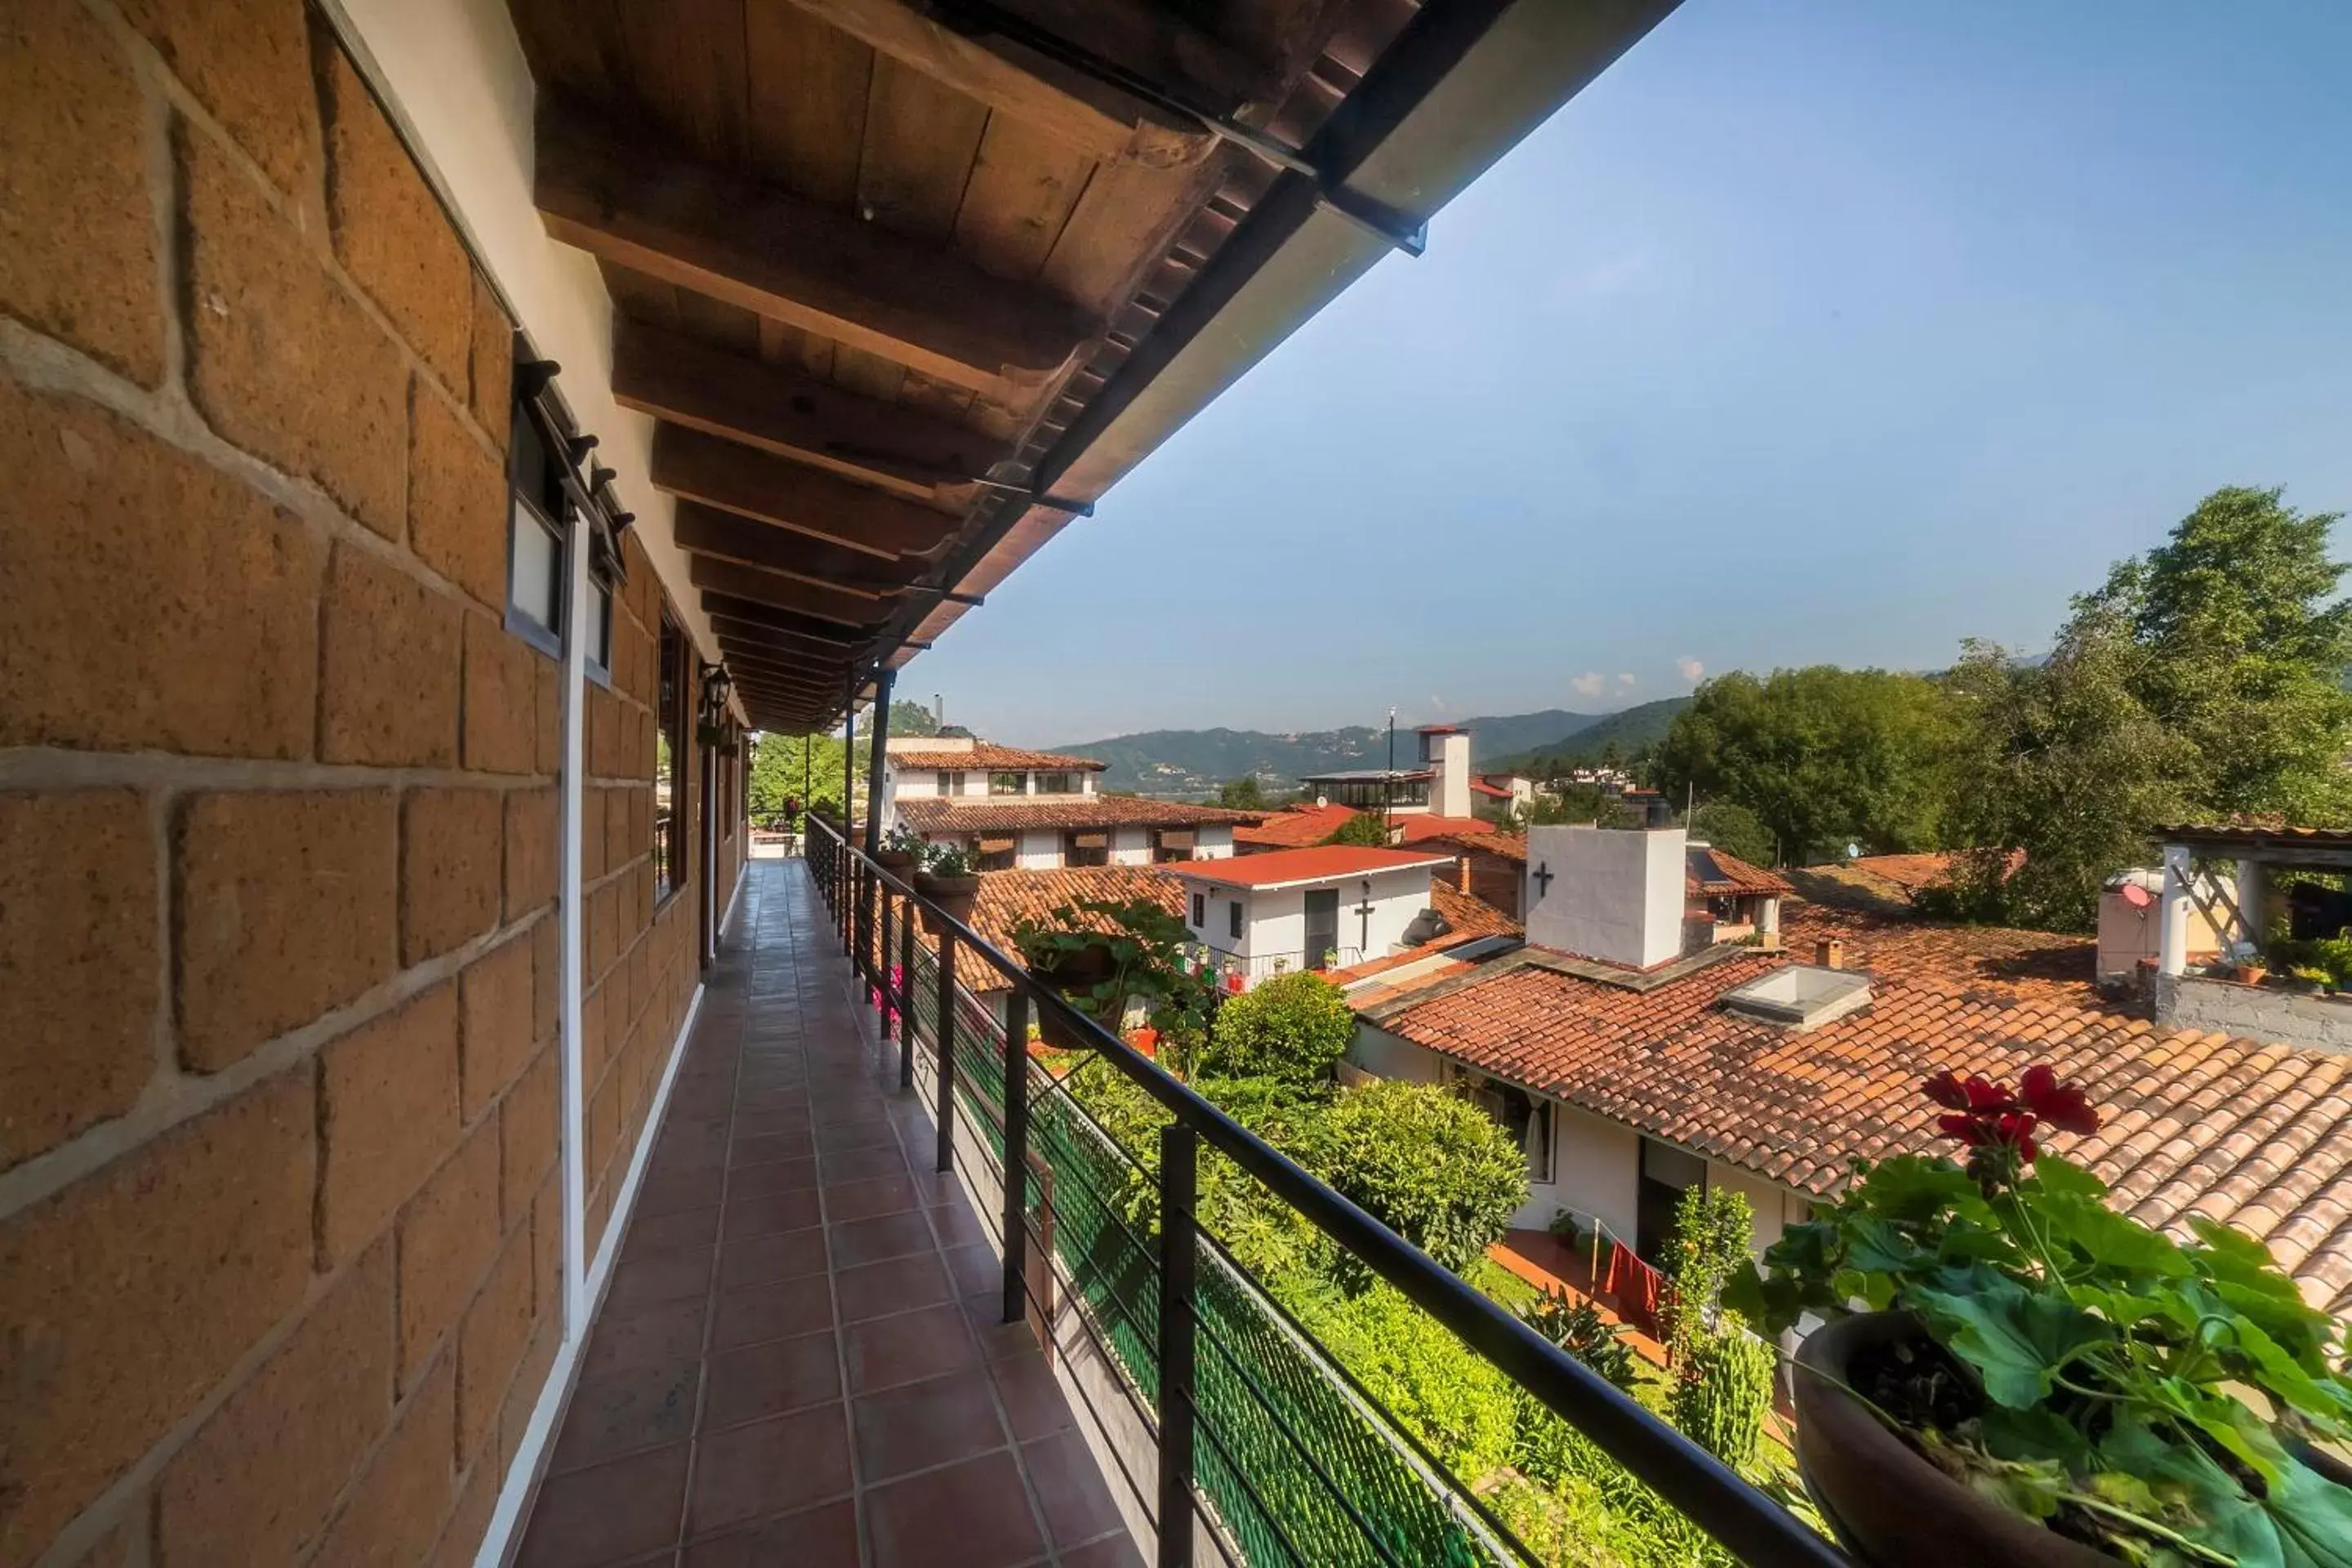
669, 765
995, 853
539, 516
1057, 784
1086, 849
1008, 783
951, 784
1201, 909
1233, 918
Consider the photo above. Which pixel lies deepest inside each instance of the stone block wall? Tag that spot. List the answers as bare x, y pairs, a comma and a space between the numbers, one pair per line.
280, 1222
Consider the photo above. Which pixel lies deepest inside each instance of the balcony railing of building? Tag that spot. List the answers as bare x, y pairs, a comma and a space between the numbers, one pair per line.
1235, 1435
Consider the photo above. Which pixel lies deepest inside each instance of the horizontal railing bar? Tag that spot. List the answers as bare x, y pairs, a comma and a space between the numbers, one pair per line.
1701, 1486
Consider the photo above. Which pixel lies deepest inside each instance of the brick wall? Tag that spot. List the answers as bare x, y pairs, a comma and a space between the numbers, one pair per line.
280, 1227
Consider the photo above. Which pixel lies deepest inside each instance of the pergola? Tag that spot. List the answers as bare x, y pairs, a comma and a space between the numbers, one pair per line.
907, 284
2239, 914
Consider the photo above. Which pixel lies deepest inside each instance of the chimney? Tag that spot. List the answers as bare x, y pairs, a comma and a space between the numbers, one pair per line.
1661, 813
1462, 875
1829, 953
1605, 893
1447, 752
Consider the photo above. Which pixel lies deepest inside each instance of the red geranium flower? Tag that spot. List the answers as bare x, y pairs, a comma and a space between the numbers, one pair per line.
2063, 1105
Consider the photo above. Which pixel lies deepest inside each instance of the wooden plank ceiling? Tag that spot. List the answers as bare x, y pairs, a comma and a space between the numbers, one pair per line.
861, 260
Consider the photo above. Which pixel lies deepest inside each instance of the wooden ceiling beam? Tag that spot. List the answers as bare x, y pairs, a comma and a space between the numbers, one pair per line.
1085, 115
702, 530
689, 383
747, 617
756, 484
787, 593
730, 238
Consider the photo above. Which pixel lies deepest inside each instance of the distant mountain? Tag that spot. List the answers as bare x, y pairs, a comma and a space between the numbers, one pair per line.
1631, 729
1195, 762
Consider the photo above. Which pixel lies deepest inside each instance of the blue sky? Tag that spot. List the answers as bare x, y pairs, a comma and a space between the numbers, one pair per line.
1815, 330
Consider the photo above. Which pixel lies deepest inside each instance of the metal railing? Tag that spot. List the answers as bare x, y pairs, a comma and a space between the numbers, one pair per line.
1185, 1294
1249, 969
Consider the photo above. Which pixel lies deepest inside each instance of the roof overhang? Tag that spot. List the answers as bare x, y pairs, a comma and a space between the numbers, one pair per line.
1230, 875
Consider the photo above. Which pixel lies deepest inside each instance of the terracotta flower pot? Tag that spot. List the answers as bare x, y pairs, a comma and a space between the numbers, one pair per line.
1889, 1507
2253, 973
955, 896
899, 863
1075, 974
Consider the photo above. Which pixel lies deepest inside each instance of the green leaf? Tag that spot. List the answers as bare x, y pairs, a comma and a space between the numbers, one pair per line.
2325, 1396
2064, 1177
2314, 1517
2017, 1342
2037, 1433
1913, 1189
2114, 1241
1879, 1247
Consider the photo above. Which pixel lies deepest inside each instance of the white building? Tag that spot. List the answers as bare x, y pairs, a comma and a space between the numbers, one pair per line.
1038, 810
1439, 783
1325, 908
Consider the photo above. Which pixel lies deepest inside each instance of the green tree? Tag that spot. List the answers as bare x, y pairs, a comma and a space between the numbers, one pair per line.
1574, 804
1735, 830
1821, 756
1244, 794
1725, 1383
1294, 1027
1426, 1161
1366, 828
2246, 650
1457, 1401
804, 768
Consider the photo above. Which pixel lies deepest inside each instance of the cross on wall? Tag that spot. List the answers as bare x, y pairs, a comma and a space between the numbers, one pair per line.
1542, 874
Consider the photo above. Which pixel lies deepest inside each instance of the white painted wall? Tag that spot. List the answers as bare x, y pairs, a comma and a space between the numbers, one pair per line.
1596, 1170
1213, 841
1384, 1055
1449, 792
1615, 894
1040, 849
1130, 846
1776, 1207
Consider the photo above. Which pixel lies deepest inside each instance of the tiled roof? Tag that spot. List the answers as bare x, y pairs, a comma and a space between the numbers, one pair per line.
1414, 828
1008, 813
1496, 791
1469, 915
1008, 898
1282, 867
1295, 826
987, 754
1485, 839
2257, 1135
1732, 876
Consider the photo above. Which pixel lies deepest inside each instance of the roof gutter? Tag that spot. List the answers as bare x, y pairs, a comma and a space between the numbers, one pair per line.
1463, 83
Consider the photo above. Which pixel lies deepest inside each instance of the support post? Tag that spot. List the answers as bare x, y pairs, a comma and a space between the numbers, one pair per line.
907, 998
1179, 1185
2172, 931
2253, 903
946, 1033
1016, 1152
878, 741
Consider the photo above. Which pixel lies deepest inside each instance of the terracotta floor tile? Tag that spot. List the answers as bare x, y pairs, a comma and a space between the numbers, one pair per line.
975, 1269
824, 1537
1033, 1401
661, 1276
668, 1192
863, 1200
958, 1227
668, 1332
770, 1467
761, 1258
855, 1135
893, 1285
754, 1124
610, 1514
771, 1379
862, 1165
620, 1410
782, 1176
1070, 1488
884, 1236
772, 1312
770, 1147
1111, 1551
973, 1515
920, 1425
764, 1213
668, 1232
886, 1352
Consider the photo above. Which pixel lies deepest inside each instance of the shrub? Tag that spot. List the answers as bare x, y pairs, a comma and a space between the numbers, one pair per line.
1712, 1227
1577, 1328
1431, 1165
1367, 828
1724, 1388
1294, 1027
1461, 1405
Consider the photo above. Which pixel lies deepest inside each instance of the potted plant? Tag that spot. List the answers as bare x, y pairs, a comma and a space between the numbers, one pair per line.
901, 851
945, 879
1105, 956
2014, 1373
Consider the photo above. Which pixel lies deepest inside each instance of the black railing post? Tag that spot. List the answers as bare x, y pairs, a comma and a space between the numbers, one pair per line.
1016, 1152
946, 1033
865, 966
907, 998
882, 949
1179, 1186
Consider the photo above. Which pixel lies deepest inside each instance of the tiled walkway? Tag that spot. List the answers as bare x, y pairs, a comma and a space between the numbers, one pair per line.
799, 1361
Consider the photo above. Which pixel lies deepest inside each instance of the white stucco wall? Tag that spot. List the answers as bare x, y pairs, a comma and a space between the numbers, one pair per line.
1596, 1170
1384, 1055
1130, 846
1775, 1206
1040, 849
1213, 841
1615, 894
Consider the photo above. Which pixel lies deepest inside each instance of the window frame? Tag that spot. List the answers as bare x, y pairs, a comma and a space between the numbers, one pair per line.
997, 783
1200, 912
1234, 917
